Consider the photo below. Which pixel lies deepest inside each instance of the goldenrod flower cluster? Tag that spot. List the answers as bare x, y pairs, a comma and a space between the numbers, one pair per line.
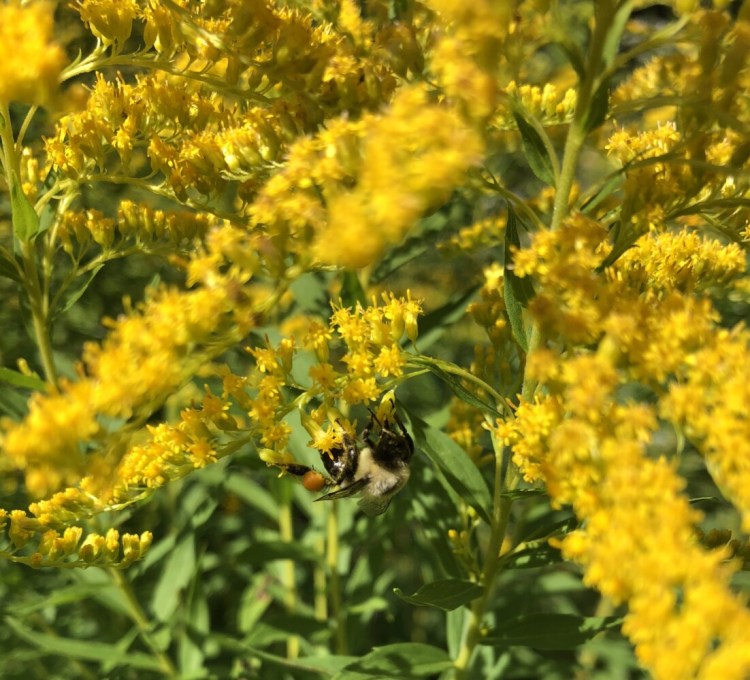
637, 543
401, 163
49, 443
650, 322
63, 547
30, 60
135, 225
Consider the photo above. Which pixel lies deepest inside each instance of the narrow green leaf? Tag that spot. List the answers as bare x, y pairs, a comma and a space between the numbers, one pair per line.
518, 494
455, 622
602, 193
8, 266
535, 150
448, 594
599, 106
253, 603
517, 291
624, 238
545, 528
614, 33
13, 404
575, 57
456, 386
325, 666
25, 220
253, 494
351, 290
705, 206
88, 650
404, 660
704, 499
268, 551
75, 293
30, 382
62, 596
177, 573
434, 324
459, 470
428, 231
280, 628
549, 631
533, 558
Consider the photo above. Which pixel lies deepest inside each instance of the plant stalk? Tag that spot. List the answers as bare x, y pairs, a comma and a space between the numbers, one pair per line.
139, 618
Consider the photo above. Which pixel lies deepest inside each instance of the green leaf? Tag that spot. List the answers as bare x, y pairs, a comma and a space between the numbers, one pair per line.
573, 54
545, 528
519, 494
429, 231
177, 573
457, 467
253, 603
280, 628
253, 494
535, 150
325, 665
599, 106
30, 382
624, 238
517, 291
533, 558
351, 290
455, 622
25, 220
613, 182
267, 551
434, 324
67, 595
549, 631
705, 499
454, 383
448, 594
8, 266
404, 660
88, 650
75, 293
614, 32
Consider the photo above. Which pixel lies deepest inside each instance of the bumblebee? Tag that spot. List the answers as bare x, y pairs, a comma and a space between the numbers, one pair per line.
376, 472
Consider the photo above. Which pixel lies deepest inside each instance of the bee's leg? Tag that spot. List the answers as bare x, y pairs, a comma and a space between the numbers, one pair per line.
405, 436
312, 480
368, 428
401, 425
295, 469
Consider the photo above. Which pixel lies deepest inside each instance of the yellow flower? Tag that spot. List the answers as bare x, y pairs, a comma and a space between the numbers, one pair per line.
30, 62
109, 20
413, 155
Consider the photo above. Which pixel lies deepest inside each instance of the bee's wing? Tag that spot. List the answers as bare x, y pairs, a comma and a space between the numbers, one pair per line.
347, 491
374, 505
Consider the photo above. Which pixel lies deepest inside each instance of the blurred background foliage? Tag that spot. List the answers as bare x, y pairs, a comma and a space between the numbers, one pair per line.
247, 577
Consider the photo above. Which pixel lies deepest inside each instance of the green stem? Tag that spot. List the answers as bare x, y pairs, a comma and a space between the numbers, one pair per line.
139, 618
38, 301
571, 152
453, 369
492, 564
320, 604
286, 531
332, 562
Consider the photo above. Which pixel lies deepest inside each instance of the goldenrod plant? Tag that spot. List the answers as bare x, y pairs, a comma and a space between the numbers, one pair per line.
482, 264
